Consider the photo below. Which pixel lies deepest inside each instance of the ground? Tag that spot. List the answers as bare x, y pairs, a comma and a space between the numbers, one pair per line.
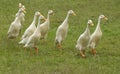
15, 60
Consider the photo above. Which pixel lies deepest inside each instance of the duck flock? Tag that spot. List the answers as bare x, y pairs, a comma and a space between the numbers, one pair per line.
33, 34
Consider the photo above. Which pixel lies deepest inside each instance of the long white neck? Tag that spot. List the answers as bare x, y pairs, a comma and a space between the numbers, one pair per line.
98, 24
34, 20
38, 23
21, 15
38, 26
17, 19
66, 20
87, 31
17, 13
48, 16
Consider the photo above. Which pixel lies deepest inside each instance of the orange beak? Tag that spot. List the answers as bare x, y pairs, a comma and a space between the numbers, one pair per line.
105, 18
74, 14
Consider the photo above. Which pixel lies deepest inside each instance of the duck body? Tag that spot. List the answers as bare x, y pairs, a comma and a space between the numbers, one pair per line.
83, 39
44, 27
34, 38
14, 29
62, 30
27, 34
96, 35
15, 26
30, 30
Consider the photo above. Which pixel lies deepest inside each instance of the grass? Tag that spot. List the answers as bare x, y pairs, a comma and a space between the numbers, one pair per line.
14, 60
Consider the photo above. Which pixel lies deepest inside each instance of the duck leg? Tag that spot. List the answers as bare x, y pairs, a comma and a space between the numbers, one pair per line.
45, 37
56, 43
59, 46
25, 49
36, 50
94, 51
30, 51
82, 53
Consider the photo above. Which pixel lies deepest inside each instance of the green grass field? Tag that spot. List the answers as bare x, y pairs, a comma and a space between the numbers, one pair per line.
15, 60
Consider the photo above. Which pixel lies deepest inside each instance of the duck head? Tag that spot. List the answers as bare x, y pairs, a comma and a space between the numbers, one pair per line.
22, 10
71, 12
90, 23
50, 12
37, 13
42, 17
20, 5
103, 17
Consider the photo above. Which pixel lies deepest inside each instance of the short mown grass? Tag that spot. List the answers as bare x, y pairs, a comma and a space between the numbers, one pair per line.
15, 60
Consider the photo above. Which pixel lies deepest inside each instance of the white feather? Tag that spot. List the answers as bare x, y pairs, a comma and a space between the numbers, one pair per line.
97, 34
34, 38
62, 30
83, 39
30, 30
44, 27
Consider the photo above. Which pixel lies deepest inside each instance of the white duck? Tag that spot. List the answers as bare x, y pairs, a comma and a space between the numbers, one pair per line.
44, 27
30, 30
96, 35
83, 39
62, 30
22, 14
15, 26
34, 38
